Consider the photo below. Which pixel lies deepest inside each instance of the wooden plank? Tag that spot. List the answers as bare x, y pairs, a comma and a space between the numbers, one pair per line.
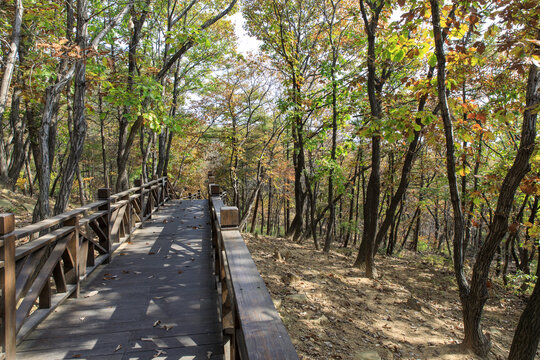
27, 271
32, 246
118, 221
55, 220
264, 334
91, 239
8, 301
59, 278
40, 282
40, 314
83, 221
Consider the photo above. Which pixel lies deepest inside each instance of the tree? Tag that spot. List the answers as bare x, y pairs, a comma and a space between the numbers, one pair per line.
474, 296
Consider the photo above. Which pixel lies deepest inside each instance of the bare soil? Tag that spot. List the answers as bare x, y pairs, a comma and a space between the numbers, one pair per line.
411, 311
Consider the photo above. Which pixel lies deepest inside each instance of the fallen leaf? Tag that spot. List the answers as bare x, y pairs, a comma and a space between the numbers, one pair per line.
180, 271
91, 293
160, 352
118, 348
147, 339
151, 253
167, 327
157, 323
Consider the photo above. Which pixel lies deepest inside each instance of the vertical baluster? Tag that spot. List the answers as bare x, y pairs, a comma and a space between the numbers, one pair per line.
157, 193
72, 276
7, 275
163, 189
150, 202
105, 194
138, 183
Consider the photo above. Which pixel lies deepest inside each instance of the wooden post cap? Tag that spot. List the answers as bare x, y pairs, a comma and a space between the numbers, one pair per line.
104, 193
210, 173
229, 216
214, 189
211, 179
7, 223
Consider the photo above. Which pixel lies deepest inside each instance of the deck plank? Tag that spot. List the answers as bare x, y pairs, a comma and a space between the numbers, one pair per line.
162, 278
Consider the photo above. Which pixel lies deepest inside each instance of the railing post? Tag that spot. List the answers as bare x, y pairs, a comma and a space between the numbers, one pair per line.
8, 305
215, 190
72, 276
138, 183
229, 217
163, 189
105, 194
127, 230
150, 200
157, 193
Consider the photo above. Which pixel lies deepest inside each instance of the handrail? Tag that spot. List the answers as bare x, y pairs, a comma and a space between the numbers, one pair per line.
252, 327
63, 248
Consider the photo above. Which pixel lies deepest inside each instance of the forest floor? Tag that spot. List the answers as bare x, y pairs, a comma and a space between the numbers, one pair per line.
20, 205
411, 311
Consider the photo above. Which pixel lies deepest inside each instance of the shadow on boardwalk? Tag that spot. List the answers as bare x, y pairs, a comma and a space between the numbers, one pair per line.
156, 297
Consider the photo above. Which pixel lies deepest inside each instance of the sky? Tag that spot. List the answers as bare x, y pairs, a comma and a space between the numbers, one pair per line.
246, 43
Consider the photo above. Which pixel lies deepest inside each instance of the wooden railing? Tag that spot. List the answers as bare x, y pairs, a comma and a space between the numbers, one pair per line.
252, 327
60, 252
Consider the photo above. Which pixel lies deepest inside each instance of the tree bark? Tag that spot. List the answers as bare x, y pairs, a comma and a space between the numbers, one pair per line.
78, 133
475, 300
374, 85
6, 82
527, 335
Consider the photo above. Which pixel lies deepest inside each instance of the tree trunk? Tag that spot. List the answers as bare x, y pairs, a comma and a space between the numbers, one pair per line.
80, 179
79, 112
20, 146
6, 82
254, 218
331, 203
527, 335
374, 87
125, 138
475, 300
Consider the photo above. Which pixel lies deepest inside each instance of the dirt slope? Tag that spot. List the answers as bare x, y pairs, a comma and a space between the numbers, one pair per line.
411, 312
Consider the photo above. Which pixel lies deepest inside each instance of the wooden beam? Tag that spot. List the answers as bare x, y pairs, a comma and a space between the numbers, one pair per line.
7, 276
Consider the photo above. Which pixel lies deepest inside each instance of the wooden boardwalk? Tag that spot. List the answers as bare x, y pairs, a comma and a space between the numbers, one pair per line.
155, 300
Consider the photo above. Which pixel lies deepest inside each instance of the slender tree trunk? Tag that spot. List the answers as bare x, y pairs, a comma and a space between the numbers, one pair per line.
78, 133
527, 335
20, 146
262, 213
474, 297
256, 209
125, 138
523, 261
103, 140
331, 203
6, 82
374, 86
82, 198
